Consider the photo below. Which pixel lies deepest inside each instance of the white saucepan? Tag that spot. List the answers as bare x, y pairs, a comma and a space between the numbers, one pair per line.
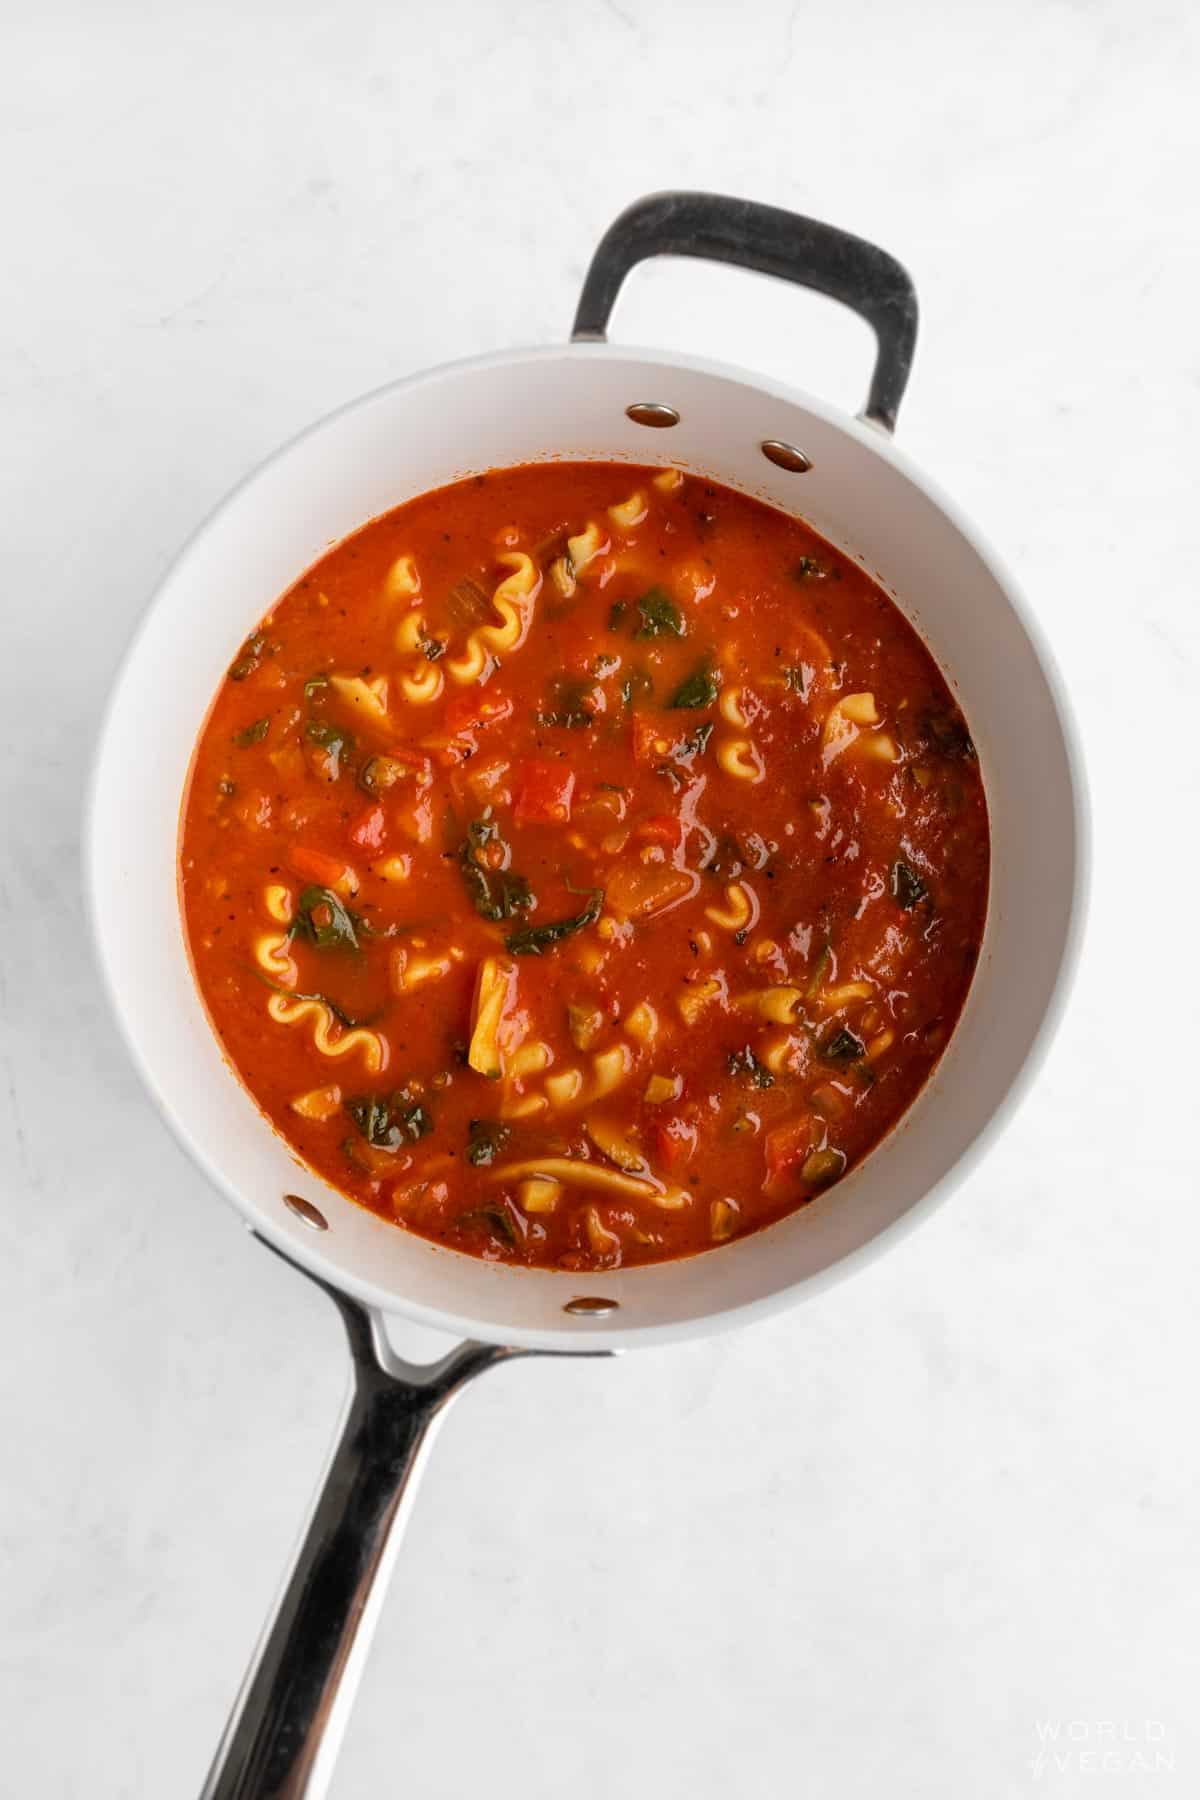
584, 400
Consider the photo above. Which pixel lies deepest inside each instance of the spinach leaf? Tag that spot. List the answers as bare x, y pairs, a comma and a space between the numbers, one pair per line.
660, 616
700, 689
494, 893
389, 1121
253, 734
744, 1062
536, 938
946, 733
809, 569
843, 1047
795, 677
490, 1218
486, 1137
571, 709
324, 920
908, 890
249, 656
337, 744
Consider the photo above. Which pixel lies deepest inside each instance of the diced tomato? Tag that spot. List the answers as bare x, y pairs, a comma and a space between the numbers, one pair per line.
651, 742
675, 1141
473, 711
369, 829
544, 794
326, 871
469, 714
788, 1145
661, 828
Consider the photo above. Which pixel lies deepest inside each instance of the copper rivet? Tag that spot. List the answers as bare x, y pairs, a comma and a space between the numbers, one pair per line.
590, 1306
652, 412
786, 456
305, 1210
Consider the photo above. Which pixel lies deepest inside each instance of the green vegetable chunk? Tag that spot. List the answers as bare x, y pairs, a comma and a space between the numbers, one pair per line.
389, 1121
700, 689
536, 938
487, 1137
744, 1062
253, 734
843, 1047
324, 920
495, 894
660, 616
908, 889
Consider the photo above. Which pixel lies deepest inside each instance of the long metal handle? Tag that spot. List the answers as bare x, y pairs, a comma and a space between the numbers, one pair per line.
287, 1722
721, 229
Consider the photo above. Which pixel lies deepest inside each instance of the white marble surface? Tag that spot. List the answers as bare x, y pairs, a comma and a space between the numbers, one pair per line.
868, 1548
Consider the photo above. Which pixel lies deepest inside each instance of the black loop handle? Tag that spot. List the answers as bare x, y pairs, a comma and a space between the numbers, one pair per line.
721, 229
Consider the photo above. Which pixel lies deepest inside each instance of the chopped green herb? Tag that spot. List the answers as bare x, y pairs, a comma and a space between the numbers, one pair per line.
253, 734
843, 1047
536, 938
637, 685
700, 689
908, 890
314, 685
486, 1137
744, 1062
388, 1122
796, 678
494, 893
603, 666
660, 616
695, 745
325, 921
432, 647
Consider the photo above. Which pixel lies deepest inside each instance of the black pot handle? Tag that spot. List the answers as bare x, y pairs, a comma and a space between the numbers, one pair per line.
721, 229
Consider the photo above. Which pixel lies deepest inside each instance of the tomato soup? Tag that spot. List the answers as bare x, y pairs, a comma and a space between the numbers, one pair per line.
584, 865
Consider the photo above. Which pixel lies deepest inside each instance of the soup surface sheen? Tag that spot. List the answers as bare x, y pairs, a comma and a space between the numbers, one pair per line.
584, 865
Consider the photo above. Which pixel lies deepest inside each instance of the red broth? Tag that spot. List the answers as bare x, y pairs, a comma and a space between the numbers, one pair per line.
584, 865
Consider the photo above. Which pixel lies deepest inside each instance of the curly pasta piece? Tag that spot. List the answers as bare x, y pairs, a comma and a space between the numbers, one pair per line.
514, 601
777, 1004
740, 758
591, 1175
402, 580
740, 912
278, 901
369, 698
848, 720
423, 684
411, 631
273, 956
564, 1086
630, 512
731, 707
330, 1038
